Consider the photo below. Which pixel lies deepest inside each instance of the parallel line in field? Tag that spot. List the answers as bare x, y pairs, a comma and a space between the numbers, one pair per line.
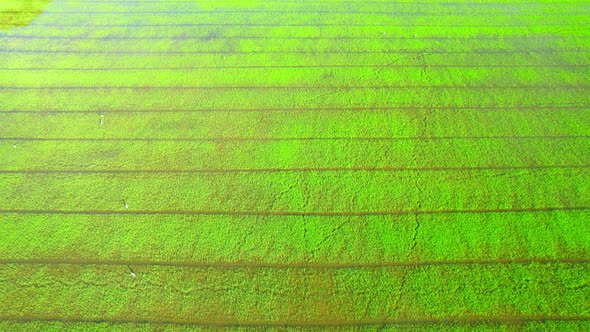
297, 265
290, 170
264, 11
471, 321
292, 213
306, 87
314, 109
383, 66
213, 38
330, 2
279, 139
399, 51
245, 25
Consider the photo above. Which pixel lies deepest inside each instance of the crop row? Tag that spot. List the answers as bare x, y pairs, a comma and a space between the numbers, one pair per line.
281, 33
496, 7
296, 77
96, 100
392, 32
295, 45
285, 18
298, 123
300, 192
293, 60
304, 296
303, 154
450, 325
284, 241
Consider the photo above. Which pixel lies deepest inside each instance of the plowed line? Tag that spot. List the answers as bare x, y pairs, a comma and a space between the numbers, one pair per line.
318, 109
279, 139
245, 25
296, 265
207, 38
496, 51
329, 12
384, 66
330, 2
289, 170
483, 320
292, 213
310, 87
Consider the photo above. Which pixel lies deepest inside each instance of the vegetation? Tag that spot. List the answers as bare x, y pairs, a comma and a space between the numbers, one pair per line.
197, 165
16, 13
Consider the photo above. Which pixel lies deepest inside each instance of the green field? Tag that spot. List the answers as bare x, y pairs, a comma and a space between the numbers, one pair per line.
180, 165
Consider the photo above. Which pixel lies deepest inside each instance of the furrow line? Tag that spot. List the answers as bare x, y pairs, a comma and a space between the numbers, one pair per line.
316, 109
294, 213
245, 25
329, 2
278, 139
264, 11
289, 170
172, 53
208, 38
285, 67
469, 320
296, 265
305, 87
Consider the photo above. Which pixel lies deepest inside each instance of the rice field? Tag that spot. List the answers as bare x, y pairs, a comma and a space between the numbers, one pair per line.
180, 165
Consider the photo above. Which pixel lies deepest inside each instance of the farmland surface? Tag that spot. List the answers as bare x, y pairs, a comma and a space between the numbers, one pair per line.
179, 165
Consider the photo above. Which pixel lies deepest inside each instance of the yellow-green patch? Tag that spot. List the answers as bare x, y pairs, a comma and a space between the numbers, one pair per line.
18, 13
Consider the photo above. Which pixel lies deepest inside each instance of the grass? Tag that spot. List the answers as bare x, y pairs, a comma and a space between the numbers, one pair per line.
18, 13
294, 165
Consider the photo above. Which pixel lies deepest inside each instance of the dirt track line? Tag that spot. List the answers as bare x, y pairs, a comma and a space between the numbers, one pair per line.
385, 66
328, 12
450, 3
245, 25
473, 320
169, 53
319, 109
290, 170
293, 213
279, 139
303, 87
297, 265
207, 38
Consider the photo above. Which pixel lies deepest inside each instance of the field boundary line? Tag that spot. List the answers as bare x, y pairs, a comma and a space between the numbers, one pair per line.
472, 320
273, 139
510, 25
172, 53
209, 38
306, 87
329, 12
315, 109
384, 66
297, 265
290, 170
294, 213
330, 2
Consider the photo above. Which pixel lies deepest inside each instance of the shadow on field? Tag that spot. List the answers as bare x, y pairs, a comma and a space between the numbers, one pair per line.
18, 13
